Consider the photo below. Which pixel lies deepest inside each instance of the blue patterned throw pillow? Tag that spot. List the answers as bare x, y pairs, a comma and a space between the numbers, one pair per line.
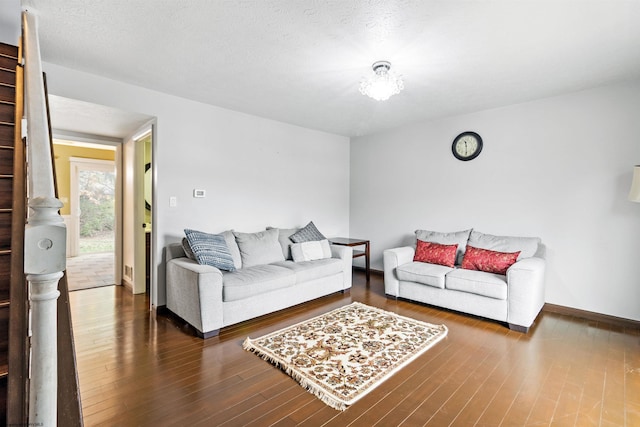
210, 249
307, 234
187, 249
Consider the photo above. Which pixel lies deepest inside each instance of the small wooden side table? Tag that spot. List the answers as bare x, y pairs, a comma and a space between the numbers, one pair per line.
345, 241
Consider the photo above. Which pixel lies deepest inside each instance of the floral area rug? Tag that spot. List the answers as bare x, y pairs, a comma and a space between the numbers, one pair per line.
342, 355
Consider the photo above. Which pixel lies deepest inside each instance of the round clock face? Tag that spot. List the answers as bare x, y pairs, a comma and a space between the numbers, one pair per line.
467, 146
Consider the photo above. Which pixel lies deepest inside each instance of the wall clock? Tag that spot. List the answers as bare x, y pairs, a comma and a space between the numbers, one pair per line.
467, 146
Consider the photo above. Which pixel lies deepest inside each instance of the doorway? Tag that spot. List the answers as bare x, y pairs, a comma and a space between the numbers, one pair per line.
140, 158
87, 186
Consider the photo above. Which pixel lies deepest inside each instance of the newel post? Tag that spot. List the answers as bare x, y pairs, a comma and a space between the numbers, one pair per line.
45, 253
44, 240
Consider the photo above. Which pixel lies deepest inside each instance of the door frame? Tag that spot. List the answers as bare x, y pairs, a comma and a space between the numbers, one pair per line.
134, 163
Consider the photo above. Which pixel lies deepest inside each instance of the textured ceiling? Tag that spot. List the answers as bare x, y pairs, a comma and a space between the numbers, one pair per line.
300, 61
91, 119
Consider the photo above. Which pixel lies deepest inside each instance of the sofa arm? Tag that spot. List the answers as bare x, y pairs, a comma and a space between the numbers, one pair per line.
525, 287
194, 292
392, 258
345, 253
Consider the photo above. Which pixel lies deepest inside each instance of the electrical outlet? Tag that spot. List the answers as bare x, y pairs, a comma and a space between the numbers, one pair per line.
173, 201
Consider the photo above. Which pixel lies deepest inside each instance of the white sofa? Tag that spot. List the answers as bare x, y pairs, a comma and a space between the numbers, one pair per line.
209, 298
515, 297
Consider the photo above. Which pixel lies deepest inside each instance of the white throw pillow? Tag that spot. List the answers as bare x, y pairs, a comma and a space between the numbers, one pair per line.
311, 251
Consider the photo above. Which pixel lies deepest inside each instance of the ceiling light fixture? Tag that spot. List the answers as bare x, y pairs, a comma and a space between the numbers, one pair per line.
383, 83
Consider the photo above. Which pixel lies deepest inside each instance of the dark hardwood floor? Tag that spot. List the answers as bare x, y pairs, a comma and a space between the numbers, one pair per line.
136, 368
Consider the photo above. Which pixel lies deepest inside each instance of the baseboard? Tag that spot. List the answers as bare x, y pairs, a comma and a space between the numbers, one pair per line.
371, 270
161, 310
127, 284
590, 315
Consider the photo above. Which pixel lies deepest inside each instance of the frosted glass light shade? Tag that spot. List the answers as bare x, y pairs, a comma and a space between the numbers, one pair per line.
383, 84
634, 194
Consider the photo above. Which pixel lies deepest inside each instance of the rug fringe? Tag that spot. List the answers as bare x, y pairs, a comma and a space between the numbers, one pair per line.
309, 386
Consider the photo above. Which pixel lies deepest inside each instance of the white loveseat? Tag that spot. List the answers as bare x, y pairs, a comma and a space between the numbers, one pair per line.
209, 298
515, 297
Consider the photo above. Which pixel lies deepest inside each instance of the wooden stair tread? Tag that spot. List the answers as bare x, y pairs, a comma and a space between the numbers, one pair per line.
9, 56
8, 51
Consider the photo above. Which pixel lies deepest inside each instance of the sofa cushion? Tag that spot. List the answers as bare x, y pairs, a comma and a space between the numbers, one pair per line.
259, 248
477, 282
311, 251
455, 238
435, 253
233, 248
526, 245
420, 272
284, 235
210, 249
307, 234
259, 279
310, 270
487, 260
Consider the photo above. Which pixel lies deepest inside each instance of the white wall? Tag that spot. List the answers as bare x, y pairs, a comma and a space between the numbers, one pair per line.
558, 168
10, 21
256, 172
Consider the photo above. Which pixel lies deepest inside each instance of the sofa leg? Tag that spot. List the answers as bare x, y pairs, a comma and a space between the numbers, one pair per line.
346, 291
518, 328
205, 335
395, 297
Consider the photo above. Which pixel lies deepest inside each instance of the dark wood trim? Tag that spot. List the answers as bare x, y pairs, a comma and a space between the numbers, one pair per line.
590, 315
69, 403
17, 409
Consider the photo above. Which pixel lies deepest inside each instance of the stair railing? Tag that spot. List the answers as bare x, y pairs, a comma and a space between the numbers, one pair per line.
45, 237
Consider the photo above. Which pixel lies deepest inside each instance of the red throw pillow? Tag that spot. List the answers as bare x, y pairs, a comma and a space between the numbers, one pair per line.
435, 253
489, 261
